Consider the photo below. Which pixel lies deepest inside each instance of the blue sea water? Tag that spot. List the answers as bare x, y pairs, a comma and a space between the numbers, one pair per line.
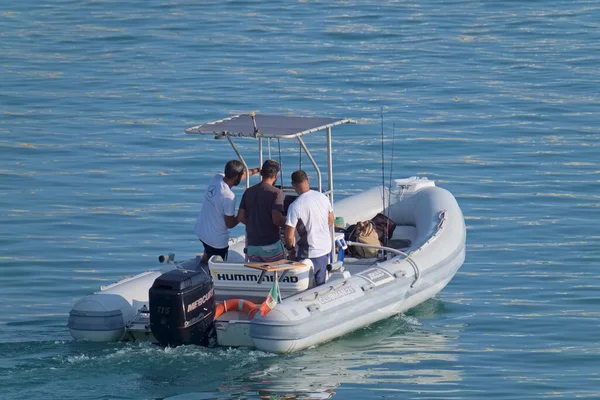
496, 101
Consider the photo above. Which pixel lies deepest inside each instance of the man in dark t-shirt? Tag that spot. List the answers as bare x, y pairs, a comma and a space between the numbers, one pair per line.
261, 210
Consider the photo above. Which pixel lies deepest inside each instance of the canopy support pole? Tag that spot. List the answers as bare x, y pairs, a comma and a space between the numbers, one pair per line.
280, 164
312, 160
269, 142
330, 165
330, 178
260, 154
241, 159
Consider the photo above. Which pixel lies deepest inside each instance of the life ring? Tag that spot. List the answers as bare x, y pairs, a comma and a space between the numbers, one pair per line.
236, 304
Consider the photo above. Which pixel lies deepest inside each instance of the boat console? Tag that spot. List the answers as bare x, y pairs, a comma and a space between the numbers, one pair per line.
236, 280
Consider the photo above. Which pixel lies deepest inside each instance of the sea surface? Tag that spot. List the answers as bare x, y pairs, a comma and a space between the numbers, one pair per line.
497, 101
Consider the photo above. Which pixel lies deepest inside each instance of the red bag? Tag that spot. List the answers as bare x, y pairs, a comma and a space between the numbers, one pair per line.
384, 227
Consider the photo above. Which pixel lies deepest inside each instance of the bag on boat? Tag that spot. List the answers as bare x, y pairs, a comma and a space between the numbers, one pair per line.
384, 226
365, 233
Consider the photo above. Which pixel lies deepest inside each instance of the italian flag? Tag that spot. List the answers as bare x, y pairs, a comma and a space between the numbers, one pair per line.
270, 302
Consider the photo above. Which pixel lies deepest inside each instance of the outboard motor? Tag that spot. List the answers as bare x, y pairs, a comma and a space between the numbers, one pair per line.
182, 308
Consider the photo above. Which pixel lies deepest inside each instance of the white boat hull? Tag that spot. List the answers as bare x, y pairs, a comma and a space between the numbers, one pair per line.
368, 290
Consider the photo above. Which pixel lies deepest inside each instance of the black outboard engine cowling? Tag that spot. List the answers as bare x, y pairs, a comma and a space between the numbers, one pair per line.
182, 308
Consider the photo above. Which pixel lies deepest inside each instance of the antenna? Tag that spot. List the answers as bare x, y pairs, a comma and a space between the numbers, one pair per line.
382, 165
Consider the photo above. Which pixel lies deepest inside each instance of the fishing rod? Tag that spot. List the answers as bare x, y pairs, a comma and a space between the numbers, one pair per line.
391, 164
390, 185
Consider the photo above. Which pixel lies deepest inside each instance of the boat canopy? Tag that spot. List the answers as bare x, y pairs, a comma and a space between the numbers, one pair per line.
266, 126
277, 127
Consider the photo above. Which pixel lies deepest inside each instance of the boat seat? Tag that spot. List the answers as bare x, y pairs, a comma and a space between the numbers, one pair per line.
399, 244
404, 237
235, 280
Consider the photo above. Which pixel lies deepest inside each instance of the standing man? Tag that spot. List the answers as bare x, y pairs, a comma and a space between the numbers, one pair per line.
315, 211
218, 210
261, 210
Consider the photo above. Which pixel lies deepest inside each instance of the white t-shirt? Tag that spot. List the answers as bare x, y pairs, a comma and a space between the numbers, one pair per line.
219, 201
313, 209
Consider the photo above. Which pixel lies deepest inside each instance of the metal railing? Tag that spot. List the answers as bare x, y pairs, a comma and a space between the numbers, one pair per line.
391, 250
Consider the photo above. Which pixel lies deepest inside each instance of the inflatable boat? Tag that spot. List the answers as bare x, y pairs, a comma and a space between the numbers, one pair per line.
188, 302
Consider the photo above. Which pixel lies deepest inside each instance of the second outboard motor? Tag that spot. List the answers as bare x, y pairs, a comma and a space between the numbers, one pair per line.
182, 308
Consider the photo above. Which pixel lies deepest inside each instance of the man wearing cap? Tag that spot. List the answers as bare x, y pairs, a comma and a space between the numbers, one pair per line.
261, 210
218, 210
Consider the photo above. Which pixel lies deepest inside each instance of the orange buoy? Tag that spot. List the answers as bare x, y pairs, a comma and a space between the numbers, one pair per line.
236, 305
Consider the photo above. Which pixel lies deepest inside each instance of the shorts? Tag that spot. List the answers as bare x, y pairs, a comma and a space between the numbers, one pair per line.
211, 251
269, 253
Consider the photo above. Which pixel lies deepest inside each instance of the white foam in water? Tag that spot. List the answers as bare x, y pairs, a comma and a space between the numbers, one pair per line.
78, 359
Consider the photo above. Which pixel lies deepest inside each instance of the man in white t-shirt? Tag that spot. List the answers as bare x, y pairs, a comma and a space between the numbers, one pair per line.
315, 211
218, 210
